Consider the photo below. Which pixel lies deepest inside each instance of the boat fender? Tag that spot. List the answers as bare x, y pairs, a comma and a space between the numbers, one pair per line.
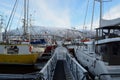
96, 78
94, 63
30, 48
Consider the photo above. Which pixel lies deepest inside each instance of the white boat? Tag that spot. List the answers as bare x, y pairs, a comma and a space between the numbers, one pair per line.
101, 56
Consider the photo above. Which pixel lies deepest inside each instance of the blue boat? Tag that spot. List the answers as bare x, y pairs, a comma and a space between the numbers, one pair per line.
38, 41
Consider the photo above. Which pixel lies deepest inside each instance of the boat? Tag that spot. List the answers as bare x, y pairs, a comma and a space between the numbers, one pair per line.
101, 56
11, 56
18, 50
18, 58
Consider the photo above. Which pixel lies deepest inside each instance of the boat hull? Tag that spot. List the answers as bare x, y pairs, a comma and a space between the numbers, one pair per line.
18, 58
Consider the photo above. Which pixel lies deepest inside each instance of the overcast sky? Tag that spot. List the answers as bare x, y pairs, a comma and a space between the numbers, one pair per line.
60, 13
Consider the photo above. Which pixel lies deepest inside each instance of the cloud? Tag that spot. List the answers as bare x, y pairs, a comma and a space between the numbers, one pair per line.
113, 13
52, 16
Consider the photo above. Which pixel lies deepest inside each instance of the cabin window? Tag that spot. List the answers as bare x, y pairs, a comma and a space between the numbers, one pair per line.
103, 49
115, 48
86, 46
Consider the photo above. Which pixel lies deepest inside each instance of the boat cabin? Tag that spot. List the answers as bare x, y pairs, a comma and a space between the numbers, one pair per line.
108, 32
108, 44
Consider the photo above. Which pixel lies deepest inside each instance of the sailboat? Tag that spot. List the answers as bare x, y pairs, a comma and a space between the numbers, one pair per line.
16, 53
101, 56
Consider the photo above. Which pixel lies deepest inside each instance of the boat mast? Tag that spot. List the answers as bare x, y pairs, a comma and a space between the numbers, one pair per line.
101, 4
92, 15
25, 20
1, 25
84, 27
30, 28
100, 13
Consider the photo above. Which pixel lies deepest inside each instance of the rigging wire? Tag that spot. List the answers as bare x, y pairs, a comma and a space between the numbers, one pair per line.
85, 15
13, 16
92, 14
10, 18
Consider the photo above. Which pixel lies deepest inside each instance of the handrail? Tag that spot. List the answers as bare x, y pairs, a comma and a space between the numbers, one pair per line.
108, 74
47, 72
78, 71
17, 76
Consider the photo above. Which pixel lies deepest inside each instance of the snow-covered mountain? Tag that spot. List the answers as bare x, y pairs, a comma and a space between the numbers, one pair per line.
57, 31
40, 30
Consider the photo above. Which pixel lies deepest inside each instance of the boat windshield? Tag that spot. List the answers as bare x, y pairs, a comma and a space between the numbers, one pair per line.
108, 32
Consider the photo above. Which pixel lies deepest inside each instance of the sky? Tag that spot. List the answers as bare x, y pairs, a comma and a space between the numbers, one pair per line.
60, 13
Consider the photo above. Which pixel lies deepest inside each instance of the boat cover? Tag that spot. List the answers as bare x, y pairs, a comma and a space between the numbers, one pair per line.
112, 22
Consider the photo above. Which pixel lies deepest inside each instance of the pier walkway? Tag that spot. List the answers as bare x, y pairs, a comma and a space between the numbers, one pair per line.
59, 73
62, 66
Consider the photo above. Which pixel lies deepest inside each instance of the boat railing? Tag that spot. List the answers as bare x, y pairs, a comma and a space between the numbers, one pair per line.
48, 70
108, 74
77, 70
17, 76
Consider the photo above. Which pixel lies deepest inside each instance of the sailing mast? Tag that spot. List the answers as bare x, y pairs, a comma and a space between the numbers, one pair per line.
25, 20
84, 27
101, 4
100, 13
1, 25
